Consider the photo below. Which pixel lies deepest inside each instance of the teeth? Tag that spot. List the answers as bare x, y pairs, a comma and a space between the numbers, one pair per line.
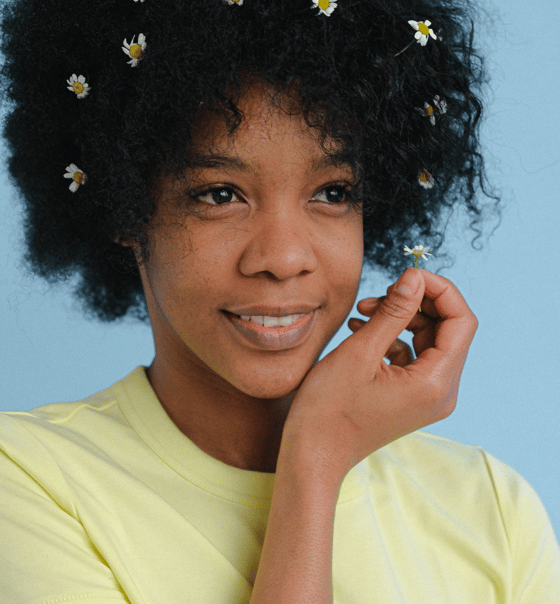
272, 321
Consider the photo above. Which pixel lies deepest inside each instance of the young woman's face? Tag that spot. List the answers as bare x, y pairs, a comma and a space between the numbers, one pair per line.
273, 235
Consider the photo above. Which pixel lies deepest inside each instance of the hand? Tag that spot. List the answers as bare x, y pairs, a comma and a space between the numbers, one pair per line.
352, 403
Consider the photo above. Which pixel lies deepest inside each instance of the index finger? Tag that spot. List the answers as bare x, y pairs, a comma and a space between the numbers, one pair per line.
442, 299
455, 327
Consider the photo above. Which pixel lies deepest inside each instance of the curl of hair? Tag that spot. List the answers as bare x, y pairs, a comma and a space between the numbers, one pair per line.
137, 122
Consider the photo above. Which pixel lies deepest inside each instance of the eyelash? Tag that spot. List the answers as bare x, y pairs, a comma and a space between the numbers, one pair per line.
344, 189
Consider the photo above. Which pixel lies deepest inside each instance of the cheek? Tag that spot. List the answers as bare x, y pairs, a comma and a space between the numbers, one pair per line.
186, 273
346, 256
168, 272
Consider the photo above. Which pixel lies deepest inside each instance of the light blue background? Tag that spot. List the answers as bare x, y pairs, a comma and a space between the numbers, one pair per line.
509, 397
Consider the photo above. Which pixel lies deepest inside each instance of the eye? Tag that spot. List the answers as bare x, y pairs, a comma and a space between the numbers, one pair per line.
334, 194
216, 195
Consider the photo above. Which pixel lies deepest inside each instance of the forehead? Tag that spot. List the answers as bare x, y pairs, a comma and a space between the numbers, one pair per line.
267, 118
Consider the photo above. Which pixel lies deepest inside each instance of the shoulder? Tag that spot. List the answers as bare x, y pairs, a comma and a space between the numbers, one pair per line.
54, 423
469, 484
441, 463
54, 440
90, 414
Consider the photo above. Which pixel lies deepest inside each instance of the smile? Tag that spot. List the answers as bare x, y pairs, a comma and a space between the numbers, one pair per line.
272, 321
272, 333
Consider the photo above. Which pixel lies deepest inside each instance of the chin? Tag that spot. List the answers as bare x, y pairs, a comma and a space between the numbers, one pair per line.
269, 386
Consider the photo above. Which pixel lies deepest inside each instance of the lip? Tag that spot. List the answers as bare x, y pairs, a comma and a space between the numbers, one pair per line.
272, 338
274, 311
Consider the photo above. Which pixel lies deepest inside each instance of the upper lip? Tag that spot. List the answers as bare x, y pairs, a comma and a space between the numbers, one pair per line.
273, 311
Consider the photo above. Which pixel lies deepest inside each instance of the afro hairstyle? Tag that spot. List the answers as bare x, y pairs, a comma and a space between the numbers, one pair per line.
362, 80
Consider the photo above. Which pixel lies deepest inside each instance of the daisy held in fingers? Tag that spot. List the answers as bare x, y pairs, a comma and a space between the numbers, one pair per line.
418, 252
258, 158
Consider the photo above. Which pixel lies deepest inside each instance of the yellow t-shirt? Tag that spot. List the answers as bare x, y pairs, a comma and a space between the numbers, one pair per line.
105, 501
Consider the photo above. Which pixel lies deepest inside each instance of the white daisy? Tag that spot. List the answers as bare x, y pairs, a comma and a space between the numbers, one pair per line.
135, 51
426, 180
422, 31
77, 176
440, 105
239, 2
418, 252
78, 85
326, 7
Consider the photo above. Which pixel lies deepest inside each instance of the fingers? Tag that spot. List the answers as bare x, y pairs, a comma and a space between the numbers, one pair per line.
421, 324
442, 301
443, 331
418, 321
390, 317
399, 353
456, 323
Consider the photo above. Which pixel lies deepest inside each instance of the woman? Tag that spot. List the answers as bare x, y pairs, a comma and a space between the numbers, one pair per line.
226, 177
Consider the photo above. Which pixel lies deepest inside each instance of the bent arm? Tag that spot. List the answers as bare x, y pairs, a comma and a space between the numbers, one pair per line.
296, 560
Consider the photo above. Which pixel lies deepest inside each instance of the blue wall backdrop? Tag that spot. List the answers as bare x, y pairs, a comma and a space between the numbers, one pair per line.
509, 398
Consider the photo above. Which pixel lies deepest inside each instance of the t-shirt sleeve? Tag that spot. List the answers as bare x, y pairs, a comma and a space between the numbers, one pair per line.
533, 545
46, 555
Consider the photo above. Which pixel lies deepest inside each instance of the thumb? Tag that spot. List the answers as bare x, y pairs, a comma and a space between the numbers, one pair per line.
392, 315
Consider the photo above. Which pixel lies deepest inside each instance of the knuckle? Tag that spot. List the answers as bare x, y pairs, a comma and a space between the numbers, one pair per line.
471, 322
395, 307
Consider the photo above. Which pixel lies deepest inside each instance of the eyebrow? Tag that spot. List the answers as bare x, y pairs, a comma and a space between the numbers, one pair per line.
232, 162
213, 160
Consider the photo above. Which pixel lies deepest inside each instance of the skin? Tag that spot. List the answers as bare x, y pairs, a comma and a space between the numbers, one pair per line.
279, 240
282, 241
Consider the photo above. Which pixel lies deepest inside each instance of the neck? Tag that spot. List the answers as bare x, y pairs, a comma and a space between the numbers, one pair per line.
231, 426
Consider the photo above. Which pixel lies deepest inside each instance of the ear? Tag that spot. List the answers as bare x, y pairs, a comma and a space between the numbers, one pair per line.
119, 241
133, 245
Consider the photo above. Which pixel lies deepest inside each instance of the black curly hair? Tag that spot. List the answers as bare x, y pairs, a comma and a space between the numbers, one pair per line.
353, 85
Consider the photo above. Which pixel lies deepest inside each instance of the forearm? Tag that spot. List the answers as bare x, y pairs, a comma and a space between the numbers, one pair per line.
296, 560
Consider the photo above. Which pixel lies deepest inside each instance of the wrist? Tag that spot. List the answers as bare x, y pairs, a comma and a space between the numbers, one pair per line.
307, 468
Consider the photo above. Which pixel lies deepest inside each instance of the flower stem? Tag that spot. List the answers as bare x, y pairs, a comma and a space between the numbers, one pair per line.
416, 266
408, 46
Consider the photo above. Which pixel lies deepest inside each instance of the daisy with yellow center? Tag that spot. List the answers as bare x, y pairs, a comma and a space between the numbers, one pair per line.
238, 2
418, 252
326, 7
78, 85
426, 180
135, 51
429, 111
78, 177
423, 31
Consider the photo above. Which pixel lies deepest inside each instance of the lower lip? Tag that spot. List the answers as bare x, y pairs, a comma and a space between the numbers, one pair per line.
273, 338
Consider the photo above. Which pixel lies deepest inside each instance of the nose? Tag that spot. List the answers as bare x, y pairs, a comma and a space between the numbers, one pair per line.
280, 244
